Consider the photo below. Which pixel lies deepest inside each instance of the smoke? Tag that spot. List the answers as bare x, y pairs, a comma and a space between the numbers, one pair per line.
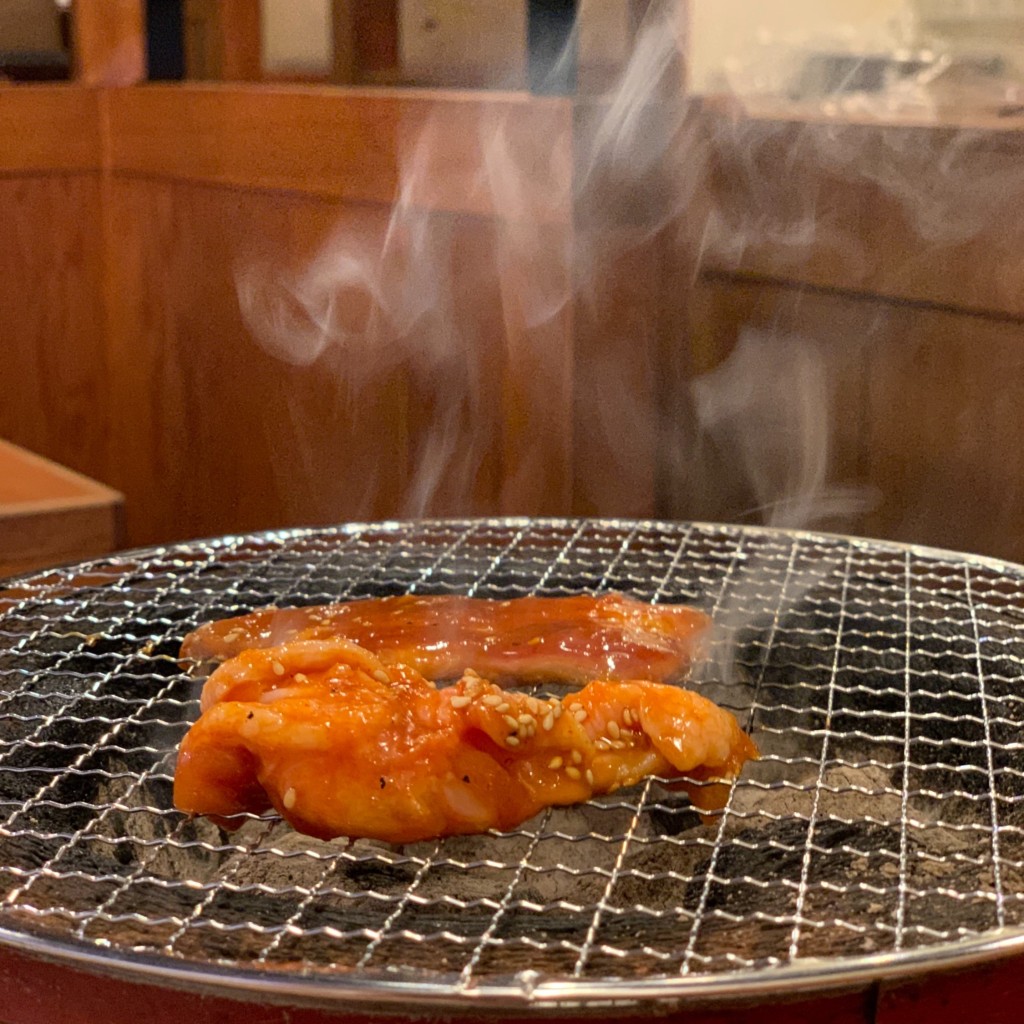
539, 330
769, 407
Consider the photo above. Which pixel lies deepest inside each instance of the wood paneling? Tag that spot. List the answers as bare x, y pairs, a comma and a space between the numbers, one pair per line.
919, 416
53, 386
943, 412
223, 40
132, 361
927, 214
401, 414
348, 145
213, 433
109, 42
47, 129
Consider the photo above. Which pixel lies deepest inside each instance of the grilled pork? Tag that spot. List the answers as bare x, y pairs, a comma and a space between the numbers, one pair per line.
527, 639
342, 743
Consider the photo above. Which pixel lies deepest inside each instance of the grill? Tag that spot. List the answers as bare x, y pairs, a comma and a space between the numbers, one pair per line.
882, 831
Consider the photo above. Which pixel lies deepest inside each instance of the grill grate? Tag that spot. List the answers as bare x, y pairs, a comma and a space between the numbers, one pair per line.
882, 828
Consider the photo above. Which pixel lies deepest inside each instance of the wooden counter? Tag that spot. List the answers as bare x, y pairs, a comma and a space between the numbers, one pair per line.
50, 515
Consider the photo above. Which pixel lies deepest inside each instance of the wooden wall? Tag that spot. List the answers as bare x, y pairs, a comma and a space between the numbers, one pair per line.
130, 214
894, 254
133, 363
53, 395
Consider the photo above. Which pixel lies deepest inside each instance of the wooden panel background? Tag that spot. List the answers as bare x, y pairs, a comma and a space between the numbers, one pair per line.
130, 358
53, 385
894, 254
129, 212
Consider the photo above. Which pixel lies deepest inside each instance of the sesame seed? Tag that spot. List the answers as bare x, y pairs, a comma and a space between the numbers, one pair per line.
558, 709
512, 741
301, 677
460, 700
289, 799
613, 729
549, 722
525, 719
575, 707
503, 707
573, 773
555, 763
277, 667
581, 715
492, 700
577, 757
590, 777
512, 723
627, 716
381, 676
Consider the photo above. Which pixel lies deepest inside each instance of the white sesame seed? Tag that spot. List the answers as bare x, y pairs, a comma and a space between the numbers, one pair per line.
581, 715
557, 710
381, 676
555, 763
613, 729
627, 716
525, 719
577, 757
590, 777
503, 707
492, 700
573, 773
277, 667
512, 723
549, 722
301, 677
512, 741
460, 700
289, 798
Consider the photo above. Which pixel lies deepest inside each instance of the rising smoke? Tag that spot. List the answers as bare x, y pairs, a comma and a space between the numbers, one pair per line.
530, 336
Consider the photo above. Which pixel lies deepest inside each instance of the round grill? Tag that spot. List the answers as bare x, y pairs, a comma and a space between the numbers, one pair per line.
882, 830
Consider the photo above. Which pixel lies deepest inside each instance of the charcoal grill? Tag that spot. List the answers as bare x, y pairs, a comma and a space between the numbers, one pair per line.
881, 833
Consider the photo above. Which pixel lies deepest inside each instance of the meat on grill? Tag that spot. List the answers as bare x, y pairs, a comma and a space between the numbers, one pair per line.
526, 639
342, 744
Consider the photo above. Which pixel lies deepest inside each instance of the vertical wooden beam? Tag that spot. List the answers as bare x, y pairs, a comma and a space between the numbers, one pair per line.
343, 67
365, 36
109, 42
241, 44
223, 40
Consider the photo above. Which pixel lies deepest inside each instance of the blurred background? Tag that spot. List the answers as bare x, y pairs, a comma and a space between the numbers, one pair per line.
283, 262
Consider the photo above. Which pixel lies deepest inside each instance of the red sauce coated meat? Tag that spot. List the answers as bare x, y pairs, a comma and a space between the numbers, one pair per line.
342, 743
527, 639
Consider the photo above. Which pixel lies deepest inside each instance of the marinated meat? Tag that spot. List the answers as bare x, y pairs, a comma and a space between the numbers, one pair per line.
527, 639
341, 743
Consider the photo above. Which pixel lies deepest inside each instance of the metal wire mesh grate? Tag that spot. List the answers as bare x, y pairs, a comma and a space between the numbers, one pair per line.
884, 819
